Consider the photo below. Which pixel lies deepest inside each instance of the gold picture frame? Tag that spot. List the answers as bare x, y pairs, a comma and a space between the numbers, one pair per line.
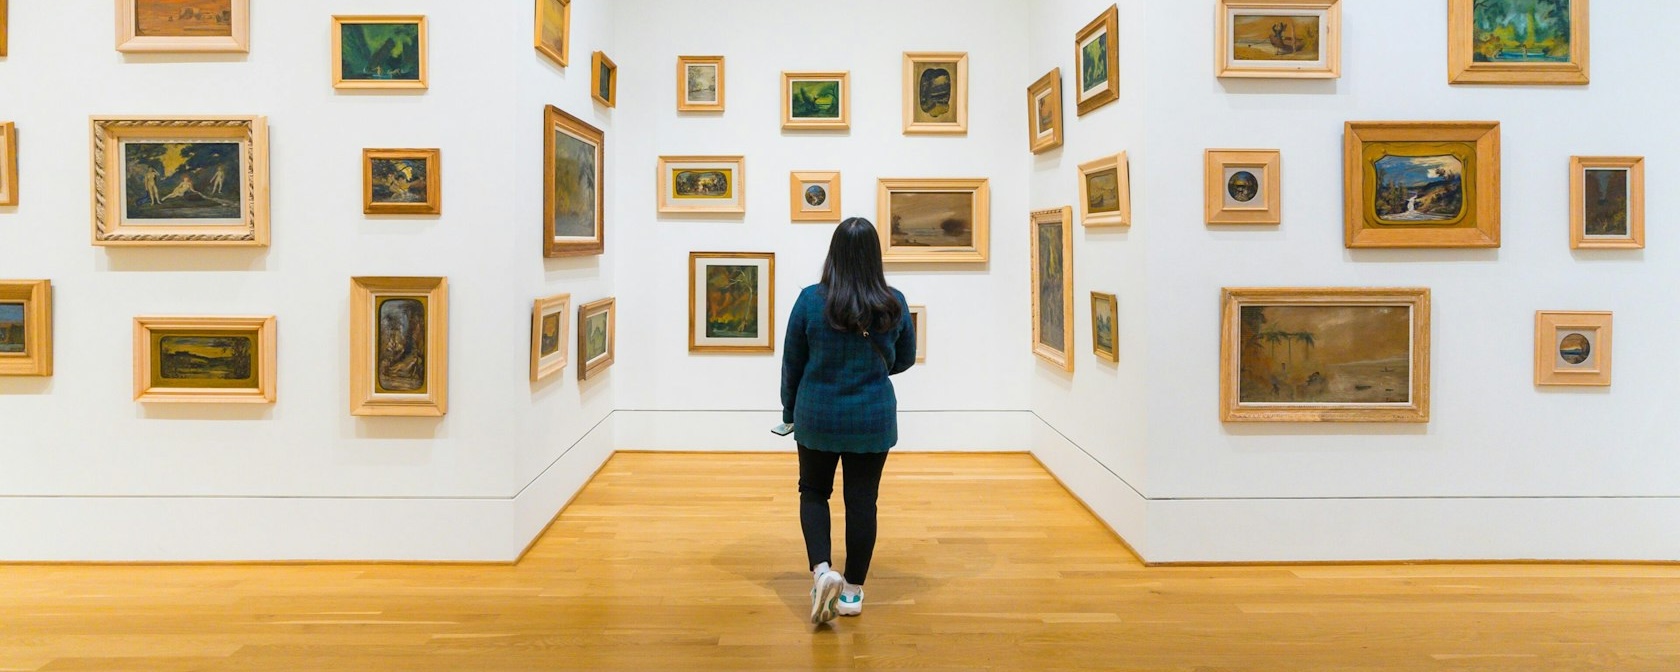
1606, 195
164, 31
1044, 112
550, 330
555, 44
204, 360
935, 80
1572, 348
1465, 45
720, 317
919, 320
814, 196
1427, 167
1105, 191
386, 190
929, 205
26, 328
5, 22
8, 163
603, 80
574, 186
702, 184
1052, 286
229, 160
379, 79
694, 92
1096, 57
399, 346
1360, 355
603, 314
1105, 326
1244, 186
1279, 39
803, 100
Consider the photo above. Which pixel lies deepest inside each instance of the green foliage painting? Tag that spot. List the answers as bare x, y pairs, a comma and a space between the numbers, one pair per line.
381, 51
1522, 31
814, 99
1094, 66
731, 301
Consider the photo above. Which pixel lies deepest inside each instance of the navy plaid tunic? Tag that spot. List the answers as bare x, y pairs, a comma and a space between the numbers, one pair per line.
835, 389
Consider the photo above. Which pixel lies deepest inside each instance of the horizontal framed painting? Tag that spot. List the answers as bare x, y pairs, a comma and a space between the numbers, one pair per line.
935, 92
1098, 56
703, 184
700, 84
553, 30
1572, 348
603, 81
1324, 355
184, 25
1044, 112
814, 196
26, 328
192, 181
1244, 186
731, 302
550, 328
1105, 191
399, 346
1052, 286
204, 360
1105, 326
919, 320
1607, 202
1528, 42
379, 52
816, 101
8, 164
574, 186
934, 220
1279, 39
597, 337
1421, 184
402, 181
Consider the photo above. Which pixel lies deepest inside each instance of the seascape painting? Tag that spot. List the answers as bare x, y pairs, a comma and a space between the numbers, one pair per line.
702, 80
932, 219
816, 195
182, 181
550, 343
1325, 354
400, 345
380, 52
1575, 349
1275, 37
935, 81
1419, 189
707, 184
1102, 191
1242, 186
595, 336
13, 334
400, 180
183, 18
1521, 31
732, 301
1093, 63
551, 27
575, 190
198, 361
814, 98
1606, 200
1050, 268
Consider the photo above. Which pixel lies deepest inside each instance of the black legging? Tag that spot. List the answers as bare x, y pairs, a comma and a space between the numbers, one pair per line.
863, 484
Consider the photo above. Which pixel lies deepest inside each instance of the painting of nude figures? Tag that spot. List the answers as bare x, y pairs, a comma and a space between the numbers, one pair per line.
180, 181
190, 181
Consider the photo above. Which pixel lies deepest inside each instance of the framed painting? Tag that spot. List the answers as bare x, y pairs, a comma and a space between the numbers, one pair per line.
1243, 186
1324, 355
184, 26
816, 101
603, 80
1105, 191
8, 164
1098, 56
1052, 286
402, 181
1606, 202
934, 220
4, 24
553, 30
1105, 326
1299, 39
26, 322
731, 302
703, 184
379, 52
204, 360
1044, 112
1421, 184
597, 337
919, 320
1517, 42
936, 92
550, 327
192, 181
700, 84
399, 346
814, 196
574, 184
1572, 348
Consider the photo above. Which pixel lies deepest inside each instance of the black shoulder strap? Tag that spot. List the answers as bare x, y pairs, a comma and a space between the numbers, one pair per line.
878, 350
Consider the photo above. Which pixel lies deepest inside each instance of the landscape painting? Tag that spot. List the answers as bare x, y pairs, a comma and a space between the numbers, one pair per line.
1522, 31
932, 219
574, 189
552, 19
13, 330
1414, 190
380, 52
814, 98
1325, 354
934, 83
1418, 184
1050, 267
595, 336
1607, 202
1242, 186
397, 181
816, 195
732, 301
400, 345
702, 83
1572, 348
1102, 192
549, 342
206, 360
182, 181
1097, 75
1093, 62
1575, 349
183, 18
1275, 37
1044, 112
549, 317
707, 184
1105, 330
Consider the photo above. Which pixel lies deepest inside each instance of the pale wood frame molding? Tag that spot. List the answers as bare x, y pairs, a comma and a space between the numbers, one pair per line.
559, 304
1064, 358
364, 295
1270, 163
563, 55
796, 196
597, 60
1108, 20
1051, 82
1546, 325
587, 369
425, 47
1330, 40
1635, 167
979, 190
264, 358
959, 93
109, 174
683, 104
129, 39
844, 122
1463, 69
768, 296
433, 205
1484, 135
8, 162
1123, 175
37, 358
558, 120
667, 198
1114, 307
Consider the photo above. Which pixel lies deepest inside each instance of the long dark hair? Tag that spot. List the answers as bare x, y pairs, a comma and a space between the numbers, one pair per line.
858, 297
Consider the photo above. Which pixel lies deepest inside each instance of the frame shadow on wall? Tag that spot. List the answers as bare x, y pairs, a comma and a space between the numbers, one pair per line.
182, 259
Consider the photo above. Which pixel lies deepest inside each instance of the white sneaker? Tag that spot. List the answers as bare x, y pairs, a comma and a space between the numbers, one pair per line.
824, 594
851, 600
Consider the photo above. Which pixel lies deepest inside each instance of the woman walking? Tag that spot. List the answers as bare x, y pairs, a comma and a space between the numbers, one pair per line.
845, 336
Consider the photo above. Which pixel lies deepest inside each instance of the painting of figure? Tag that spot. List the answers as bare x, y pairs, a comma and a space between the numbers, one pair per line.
935, 81
12, 332
932, 219
401, 345
732, 301
1326, 354
702, 82
1419, 189
1606, 202
207, 361
575, 195
595, 336
1521, 31
550, 335
1268, 37
383, 51
814, 98
710, 183
400, 180
1050, 267
1102, 191
183, 18
182, 181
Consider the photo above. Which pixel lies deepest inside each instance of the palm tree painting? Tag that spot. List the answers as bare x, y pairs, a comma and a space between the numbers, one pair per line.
732, 301
1326, 354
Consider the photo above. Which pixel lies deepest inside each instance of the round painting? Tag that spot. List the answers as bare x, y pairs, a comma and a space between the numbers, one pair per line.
1243, 186
816, 195
1575, 348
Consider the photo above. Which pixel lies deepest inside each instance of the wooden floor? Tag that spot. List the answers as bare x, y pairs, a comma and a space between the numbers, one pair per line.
693, 562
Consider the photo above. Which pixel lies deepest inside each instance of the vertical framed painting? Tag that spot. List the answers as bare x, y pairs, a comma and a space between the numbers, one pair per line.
597, 337
814, 196
603, 80
1279, 39
1421, 184
1324, 355
934, 220
5, 23
8, 164
919, 320
1572, 348
193, 181
1098, 56
1243, 186
553, 30
379, 52
731, 302
574, 186
936, 92
1052, 286
204, 360
1105, 191
1606, 202
26, 322
1526, 42
703, 184
402, 181
700, 84
1105, 326
399, 346
550, 328
1044, 112
816, 101
184, 26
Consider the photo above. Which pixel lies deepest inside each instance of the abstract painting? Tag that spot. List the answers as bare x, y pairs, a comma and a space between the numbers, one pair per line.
732, 302
402, 181
574, 180
1572, 348
702, 184
8, 163
1044, 112
204, 360
550, 328
379, 52
180, 181
1105, 191
553, 30
936, 92
399, 330
1607, 202
603, 82
26, 328
1105, 326
1421, 184
700, 84
934, 220
1052, 286
1279, 38
1517, 41
816, 101
1098, 59
1243, 186
183, 25
814, 196
597, 334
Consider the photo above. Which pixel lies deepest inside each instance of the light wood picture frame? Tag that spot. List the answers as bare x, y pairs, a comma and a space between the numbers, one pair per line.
152, 26
402, 181
919, 320
1044, 112
940, 220
1606, 202
1572, 348
935, 93
1105, 191
814, 196
732, 302
5, 27
204, 360
1105, 326
219, 188
1244, 186
1052, 286
703, 185
597, 337
603, 80
1334, 354
399, 346
8, 163
816, 100
355, 39
26, 328
1421, 184
1096, 57
553, 34
700, 84
1486, 50
1279, 39
551, 328
574, 186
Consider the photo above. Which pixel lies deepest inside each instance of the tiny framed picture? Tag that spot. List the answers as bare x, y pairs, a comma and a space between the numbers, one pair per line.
703, 184
550, 328
379, 52
204, 360
1279, 39
816, 101
731, 302
1421, 184
1044, 113
1243, 186
597, 337
1606, 202
1572, 348
399, 346
181, 26
1105, 191
814, 196
574, 186
934, 220
1105, 326
919, 320
935, 92
1052, 286
8, 163
185, 181
700, 84
603, 80
402, 181
1537, 42
26, 327
1098, 57
553, 30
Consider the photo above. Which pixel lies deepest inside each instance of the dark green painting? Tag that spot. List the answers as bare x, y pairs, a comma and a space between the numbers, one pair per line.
182, 180
12, 338
1606, 202
401, 347
1522, 31
814, 98
205, 360
732, 301
1094, 67
1051, 270
380, 51
575, 195
400, 180
606, 82
595, 336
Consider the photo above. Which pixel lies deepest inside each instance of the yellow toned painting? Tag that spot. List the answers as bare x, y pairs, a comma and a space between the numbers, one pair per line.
196, 360
1275, 37
552, 16
1326, 354
706, 184
183, 18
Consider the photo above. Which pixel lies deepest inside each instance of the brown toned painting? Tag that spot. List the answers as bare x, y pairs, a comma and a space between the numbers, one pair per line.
183, 18
932, 219
401, 345
1326, 354
554, 18
208, 360
1275, 37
